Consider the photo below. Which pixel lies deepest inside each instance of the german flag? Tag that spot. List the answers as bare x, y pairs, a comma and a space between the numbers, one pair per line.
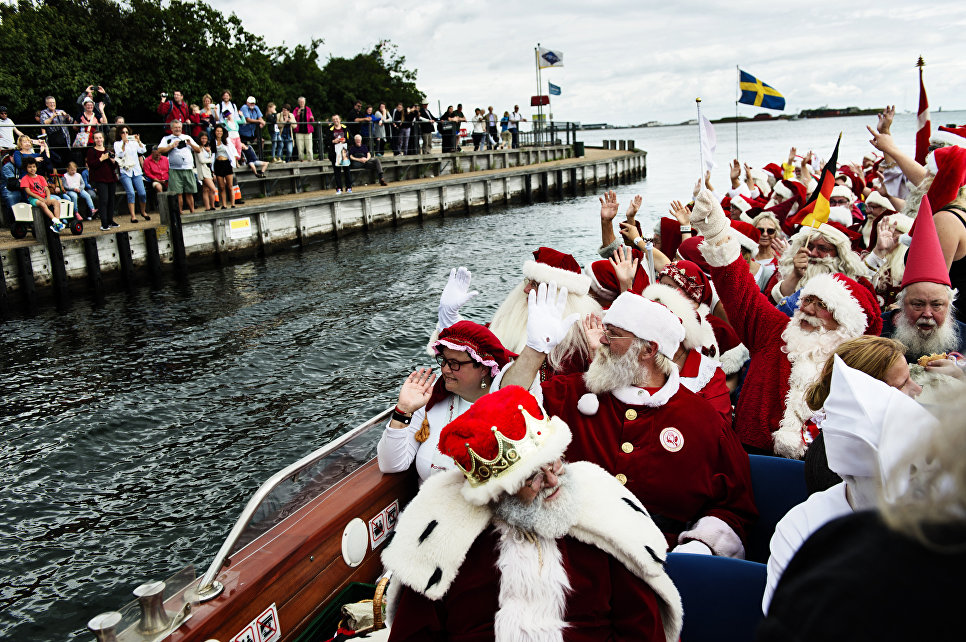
816, 208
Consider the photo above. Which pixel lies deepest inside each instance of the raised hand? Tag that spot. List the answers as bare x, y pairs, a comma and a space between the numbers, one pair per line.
593, 330
888, 237
625, 267
791, 155
735, 173
546, 325
608, 206
779, 245
455, 294
707, 180
883, 142
884, 124
634, 207
680, 212
416, 390
629, 232
800, 262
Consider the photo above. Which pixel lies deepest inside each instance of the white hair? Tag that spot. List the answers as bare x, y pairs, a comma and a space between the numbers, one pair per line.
942, 338
551, 520
847, 262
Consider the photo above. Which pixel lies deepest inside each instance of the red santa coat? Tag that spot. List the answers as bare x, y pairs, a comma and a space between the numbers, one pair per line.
759, 325
704, 377
606, 601
671, 449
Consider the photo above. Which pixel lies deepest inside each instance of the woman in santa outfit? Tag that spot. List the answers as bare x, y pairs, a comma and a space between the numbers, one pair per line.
469, 356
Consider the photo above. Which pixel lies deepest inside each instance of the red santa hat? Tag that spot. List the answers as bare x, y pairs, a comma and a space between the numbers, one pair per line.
853, 183
502, 440
775, 170
948, 165
603, 279
875, 198
948, 136
726, 203
689, 252
924, 259
670, 236
692, 280
852, 305
549, 265
698, 333
479, 344
647, 320
746, 234
791, 191
842, 191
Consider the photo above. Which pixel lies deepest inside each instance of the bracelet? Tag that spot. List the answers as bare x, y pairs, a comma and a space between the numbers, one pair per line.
685, 228
639, 239
400, 416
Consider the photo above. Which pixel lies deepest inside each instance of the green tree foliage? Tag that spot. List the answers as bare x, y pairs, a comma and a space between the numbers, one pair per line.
138, 48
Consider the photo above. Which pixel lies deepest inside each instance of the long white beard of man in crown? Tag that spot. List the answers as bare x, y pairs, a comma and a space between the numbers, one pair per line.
509, 324
941, 338
847, 262
551, 520
807, 353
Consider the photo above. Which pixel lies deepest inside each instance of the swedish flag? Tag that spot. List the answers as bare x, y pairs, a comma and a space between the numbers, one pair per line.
755, 92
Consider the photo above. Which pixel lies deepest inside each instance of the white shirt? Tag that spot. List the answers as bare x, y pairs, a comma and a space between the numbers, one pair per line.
127, 156
6, 134
796, 527
179, 157
398, 447
515, 119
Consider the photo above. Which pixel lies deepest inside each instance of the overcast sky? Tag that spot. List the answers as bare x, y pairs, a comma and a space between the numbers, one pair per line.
631, 62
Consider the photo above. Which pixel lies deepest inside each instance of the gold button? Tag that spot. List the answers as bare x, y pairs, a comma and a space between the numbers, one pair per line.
627, 447
622, 478
631, 414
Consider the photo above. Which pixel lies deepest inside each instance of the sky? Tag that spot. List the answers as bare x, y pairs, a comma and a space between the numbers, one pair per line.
631, 62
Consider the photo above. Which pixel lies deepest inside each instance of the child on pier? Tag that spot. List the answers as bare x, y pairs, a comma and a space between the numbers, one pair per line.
38, 194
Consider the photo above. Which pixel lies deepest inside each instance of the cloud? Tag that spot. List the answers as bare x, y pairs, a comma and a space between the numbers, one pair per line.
632, 62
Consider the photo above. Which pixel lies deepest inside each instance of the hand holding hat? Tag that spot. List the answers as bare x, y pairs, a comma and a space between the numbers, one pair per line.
455, 294
546, 326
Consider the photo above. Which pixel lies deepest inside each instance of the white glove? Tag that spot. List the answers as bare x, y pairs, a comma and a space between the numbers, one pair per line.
694, 547
454, 295
708, 216
546, 326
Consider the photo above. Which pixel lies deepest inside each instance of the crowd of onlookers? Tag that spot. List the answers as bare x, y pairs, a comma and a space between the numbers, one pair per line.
81, 159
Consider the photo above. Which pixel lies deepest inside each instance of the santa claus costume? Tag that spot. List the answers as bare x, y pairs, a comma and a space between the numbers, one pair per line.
785, 359
462, 571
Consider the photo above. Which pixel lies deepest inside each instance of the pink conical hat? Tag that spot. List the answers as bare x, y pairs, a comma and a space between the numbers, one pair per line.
924, 260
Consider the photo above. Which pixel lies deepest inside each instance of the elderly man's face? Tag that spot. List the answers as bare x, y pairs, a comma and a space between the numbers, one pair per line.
926, 306
175, 127
548, 477
820, 248
358, 139
839, 201
617, 340
815, 315
51, 104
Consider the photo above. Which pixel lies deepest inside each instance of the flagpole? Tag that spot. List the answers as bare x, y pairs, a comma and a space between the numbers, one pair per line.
737, 154
700, 140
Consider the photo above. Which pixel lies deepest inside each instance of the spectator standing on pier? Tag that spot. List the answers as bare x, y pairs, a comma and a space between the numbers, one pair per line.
271, 121
356, 117
208, 114
89, 121
491, 131
380, 129
226, 105
100, 99
286, 126
53, 120
304, 130
251, 120
360, 158
179, 148
127, 151
203, 162
222, 165
479, 128
426, 120
515, 119
35, 188
173, 108
505, 131
102, 172
156, 169
7, 131
337, 142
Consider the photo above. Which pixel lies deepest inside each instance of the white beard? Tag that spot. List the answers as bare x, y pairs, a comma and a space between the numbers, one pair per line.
551, 520
509, 324
816, 266
607, 372
807, 352
944, 338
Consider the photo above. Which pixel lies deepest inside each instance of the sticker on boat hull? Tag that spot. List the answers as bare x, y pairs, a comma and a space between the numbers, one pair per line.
264, 628
383, 523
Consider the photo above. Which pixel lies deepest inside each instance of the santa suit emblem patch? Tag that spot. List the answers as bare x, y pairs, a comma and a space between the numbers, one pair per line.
672, 439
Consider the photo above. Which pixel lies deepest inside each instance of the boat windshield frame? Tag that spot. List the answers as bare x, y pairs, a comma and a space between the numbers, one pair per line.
293, 469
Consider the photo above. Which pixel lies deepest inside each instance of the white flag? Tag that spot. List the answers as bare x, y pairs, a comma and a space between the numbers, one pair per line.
709, 143
549, 58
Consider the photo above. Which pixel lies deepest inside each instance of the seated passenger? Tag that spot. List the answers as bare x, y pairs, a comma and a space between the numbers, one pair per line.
519, 545
74, 188
35, 188
469, 356
9, 177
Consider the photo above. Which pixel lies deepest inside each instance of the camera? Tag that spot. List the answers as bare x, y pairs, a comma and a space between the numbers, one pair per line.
164, 95
41, 136
110, 154
182, 145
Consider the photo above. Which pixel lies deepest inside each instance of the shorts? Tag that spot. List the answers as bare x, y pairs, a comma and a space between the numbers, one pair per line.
34, 202
204, 171
223, 168
182, 181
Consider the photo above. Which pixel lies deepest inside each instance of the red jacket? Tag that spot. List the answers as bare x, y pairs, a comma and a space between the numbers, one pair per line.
170, 110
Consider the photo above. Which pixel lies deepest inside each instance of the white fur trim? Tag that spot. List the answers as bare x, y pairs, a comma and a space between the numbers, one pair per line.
747, 219
931, 166
742, 205
695, 332
743, 240
525, 613
782, 190
432, 340
788, 443
588, 404
533, 454
596, 287
706, 370
875, 198
647, 320
946, 139
844, 307
734, 359
634, 396
575, 283
840, 215
716, 535
842, 192
721, 255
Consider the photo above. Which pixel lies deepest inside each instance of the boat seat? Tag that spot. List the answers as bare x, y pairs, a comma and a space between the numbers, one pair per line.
778, 484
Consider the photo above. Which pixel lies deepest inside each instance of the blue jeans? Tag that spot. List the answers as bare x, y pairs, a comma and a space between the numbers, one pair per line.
73, 196
286, 142
132, 183
276, 145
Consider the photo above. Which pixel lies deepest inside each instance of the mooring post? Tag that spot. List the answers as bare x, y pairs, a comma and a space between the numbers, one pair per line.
124, 257
170, 213
94, 279
55, 254
25, 272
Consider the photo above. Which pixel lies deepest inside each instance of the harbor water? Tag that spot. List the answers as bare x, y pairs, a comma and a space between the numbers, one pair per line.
136, 428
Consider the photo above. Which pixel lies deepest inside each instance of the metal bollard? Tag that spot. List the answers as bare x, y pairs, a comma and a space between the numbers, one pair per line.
623, 145
154, 618
103, 625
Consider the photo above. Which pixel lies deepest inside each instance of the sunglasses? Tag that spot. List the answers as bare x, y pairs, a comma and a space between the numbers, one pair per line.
767, 231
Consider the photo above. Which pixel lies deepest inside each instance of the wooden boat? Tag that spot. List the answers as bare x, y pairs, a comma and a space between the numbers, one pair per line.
309, 532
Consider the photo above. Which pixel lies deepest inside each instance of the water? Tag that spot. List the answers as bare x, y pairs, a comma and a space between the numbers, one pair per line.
136, 430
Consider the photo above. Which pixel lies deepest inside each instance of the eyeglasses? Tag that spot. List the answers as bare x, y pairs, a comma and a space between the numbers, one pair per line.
839, 202
811, 299
614, 337
824, 249
452, 364
538, 479
767, 231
